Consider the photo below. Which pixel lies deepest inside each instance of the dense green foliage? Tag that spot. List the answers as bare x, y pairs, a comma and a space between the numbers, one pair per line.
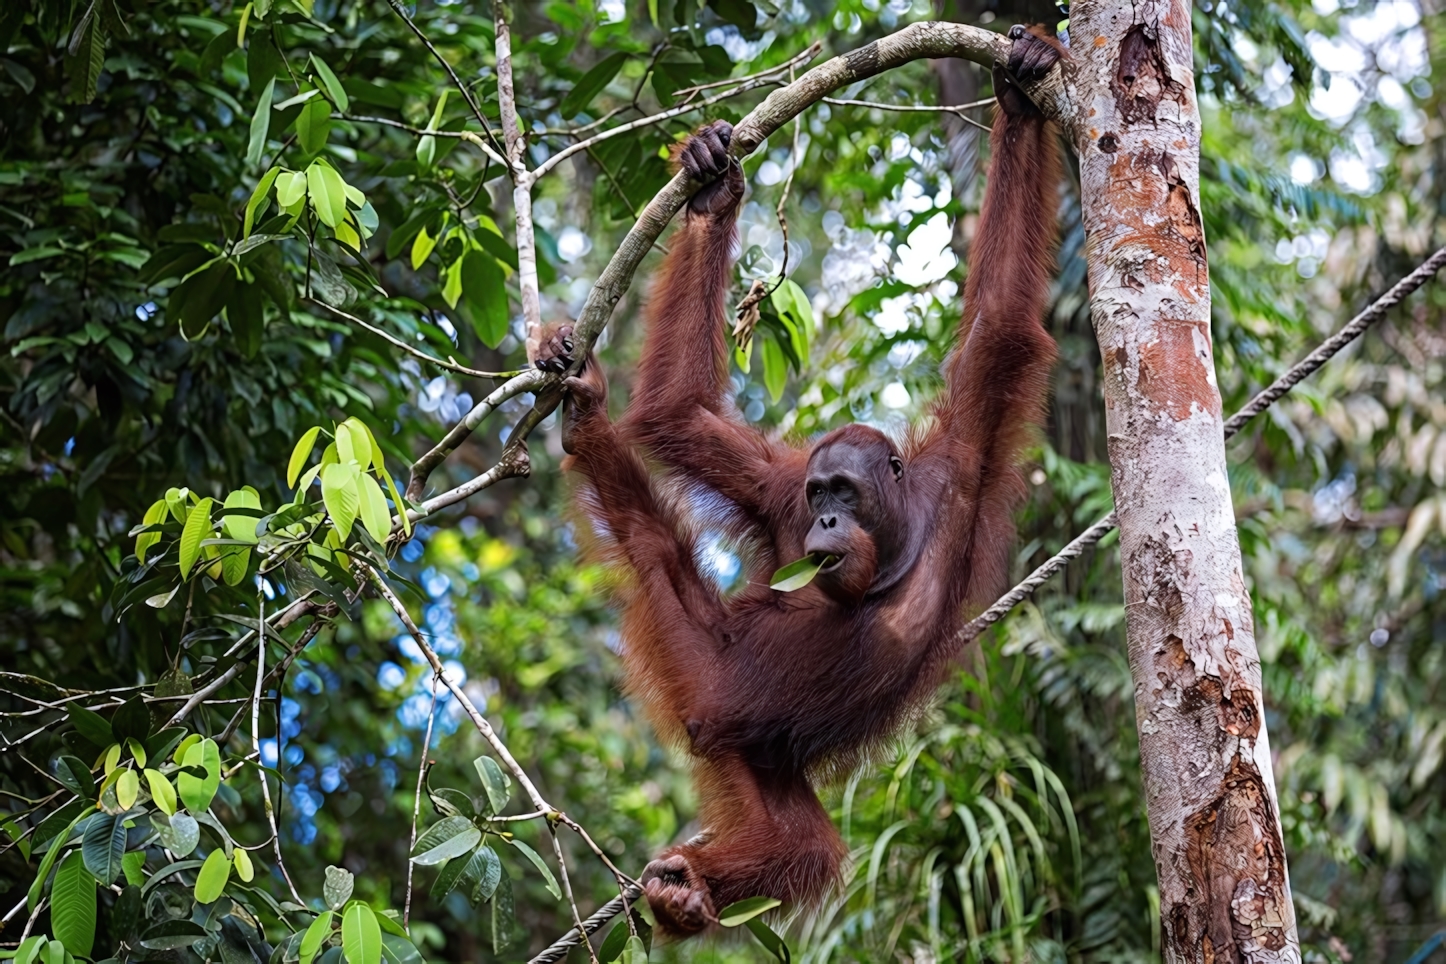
185, 185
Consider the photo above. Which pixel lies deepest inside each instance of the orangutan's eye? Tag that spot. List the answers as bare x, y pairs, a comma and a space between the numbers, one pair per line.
897, 466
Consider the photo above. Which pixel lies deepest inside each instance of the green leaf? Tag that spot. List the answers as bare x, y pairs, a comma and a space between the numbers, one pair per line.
127, 788
373, 508
132, 722
486, 292
37, 887
133, 867
72, 906
770, 940
494, 781
399, 950
300, 454
313, 124
162, 793
316, 935
336, 890
327, 192
138, 752
334, 89
90, 725
211, 880
798, 573
500, 916
171, 935
362, 444
542, 867
613, 944
775, 368
198, 299
422, 246
444, 840
197, 792
340, 495
260, 126
241, 860
198, 527
361, 935
103, 847
745, 910
290, 188
486, 868
179, 834
244, 314
258, 200
75, 775
156, 513
789, 300
634, 952
182, 748
28, 949
396, 499
452, 283
591, 84
83, 64
240, 527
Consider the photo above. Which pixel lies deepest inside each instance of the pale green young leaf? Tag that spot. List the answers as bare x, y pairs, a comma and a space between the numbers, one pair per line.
242, 528
373, 508
290, 188
156, 513
257, 204
743, 911
340, 495
328, 195
197, 527
775, 369
315, 936
300, 454
198, 792
241, 860
361, 935
422, 246
162, 793
127, 788
541, 866
212, 877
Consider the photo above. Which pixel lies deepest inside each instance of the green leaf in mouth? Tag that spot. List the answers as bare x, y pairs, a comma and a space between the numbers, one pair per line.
800, 572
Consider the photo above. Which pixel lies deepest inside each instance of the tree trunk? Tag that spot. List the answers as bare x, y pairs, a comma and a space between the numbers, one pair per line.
1210, 792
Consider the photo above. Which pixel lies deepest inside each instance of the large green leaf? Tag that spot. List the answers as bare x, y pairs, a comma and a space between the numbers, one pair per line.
316, 935
591, 84
300, 454
444, 840
241, 527
541, 866
180, 833
336, 889
260, 125
91, 725
103, 847
494, 781
333, 87
340, 493
486, 292
313, 124
327, 192
197, 528
211, 880
72, 905
373, 508
200, 298
197, 792
361, 935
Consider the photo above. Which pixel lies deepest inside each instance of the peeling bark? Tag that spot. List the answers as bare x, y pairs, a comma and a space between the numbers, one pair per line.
1210, 793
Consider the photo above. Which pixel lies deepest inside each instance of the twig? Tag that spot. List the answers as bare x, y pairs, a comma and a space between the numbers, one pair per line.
559, 948
802, 57
417, 800
957, 110
526, 382
450, 365
1263, 400
256, 743
522, 182
457, 82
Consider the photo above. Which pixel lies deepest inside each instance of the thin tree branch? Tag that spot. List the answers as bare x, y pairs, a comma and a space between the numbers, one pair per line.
559, 948
451, 365
417, 800
456, 81
957, 110
256, 745
1263, 400
526, 382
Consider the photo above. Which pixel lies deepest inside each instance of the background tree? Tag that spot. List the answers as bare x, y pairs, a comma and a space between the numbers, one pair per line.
1012, 825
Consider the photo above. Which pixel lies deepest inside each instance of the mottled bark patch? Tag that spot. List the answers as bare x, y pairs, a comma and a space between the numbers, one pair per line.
863, 62
1175, 369
1162, 573
1234, 897
1184, 217
1142, 78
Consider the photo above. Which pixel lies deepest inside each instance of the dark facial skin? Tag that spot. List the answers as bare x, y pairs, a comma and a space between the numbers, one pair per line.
855, 494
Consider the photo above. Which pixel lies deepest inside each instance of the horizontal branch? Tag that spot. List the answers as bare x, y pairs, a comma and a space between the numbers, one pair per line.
956, 109
424, 466
450, 365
